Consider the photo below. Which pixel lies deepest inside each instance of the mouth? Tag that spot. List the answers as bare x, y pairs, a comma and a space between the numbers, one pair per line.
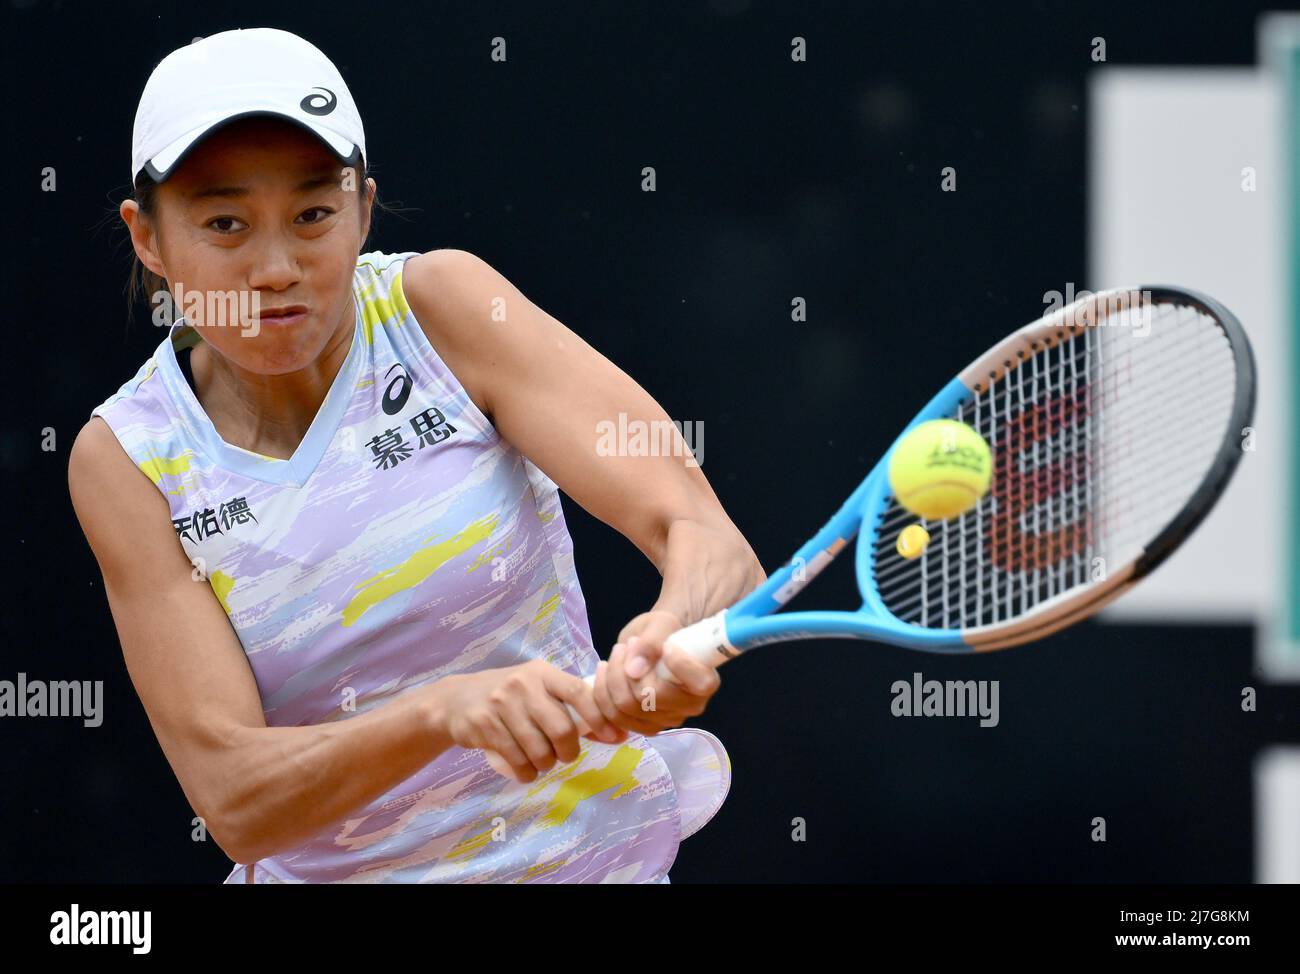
288, 315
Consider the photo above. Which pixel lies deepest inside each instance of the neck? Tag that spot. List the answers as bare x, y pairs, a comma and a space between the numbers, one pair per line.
268, 414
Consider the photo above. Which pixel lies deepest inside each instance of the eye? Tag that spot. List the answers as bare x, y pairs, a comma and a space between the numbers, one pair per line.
222, 219
317, 209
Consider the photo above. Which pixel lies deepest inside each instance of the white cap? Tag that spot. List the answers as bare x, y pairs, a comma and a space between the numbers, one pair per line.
235, 74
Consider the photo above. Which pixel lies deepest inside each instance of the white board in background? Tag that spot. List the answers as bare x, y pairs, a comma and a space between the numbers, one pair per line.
1277, 815
1167, 147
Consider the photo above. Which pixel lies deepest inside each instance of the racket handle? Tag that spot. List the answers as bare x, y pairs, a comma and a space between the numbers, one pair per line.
705, 641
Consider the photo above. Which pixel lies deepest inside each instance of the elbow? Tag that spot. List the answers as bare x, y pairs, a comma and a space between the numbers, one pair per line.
225, 828
241, 836
228, 817
226, 797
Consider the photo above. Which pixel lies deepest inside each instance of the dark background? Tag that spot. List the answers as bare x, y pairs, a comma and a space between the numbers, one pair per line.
775, 180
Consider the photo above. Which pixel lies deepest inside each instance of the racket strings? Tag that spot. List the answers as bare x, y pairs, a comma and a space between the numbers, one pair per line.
1058, 472
1066, 445
1061, 472
1058, 485
1098, 442
1070, 569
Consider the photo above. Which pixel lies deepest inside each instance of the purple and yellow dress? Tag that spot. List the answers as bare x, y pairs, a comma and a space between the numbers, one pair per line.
405, 541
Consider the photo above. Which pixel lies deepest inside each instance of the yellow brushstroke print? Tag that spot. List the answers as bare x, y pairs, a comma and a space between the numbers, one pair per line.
221, 585
375, 311
617, 775
399, 296
558, 773
548, 607
156, 468
541, 869
471, 845
416, 568
496, 551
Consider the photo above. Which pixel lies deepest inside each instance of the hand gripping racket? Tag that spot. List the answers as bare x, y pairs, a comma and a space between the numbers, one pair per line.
1114, 423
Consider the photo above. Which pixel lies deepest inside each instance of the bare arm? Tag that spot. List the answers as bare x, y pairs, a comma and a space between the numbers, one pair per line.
263, 789
547, 392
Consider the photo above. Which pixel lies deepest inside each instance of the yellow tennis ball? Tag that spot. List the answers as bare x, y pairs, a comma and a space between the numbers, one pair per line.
940, 469
912, 541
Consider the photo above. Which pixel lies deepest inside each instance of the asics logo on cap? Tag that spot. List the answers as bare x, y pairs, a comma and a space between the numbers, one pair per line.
313, 105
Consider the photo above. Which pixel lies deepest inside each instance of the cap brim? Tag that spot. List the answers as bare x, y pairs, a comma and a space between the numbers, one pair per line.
164, 163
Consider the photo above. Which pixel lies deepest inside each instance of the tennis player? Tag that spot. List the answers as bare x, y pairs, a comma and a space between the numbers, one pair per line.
330, 530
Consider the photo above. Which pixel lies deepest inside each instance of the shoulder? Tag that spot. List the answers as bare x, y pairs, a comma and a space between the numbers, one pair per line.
453, 294
446, 282
98, 465
96, 453
111, 496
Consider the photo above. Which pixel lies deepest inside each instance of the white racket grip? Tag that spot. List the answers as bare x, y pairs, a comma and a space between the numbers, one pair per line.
705, 641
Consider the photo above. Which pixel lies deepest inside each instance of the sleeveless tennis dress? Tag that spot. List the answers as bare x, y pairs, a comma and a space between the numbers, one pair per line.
406, 541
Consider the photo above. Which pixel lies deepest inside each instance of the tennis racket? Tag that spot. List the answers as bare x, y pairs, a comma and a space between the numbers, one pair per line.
1114, 423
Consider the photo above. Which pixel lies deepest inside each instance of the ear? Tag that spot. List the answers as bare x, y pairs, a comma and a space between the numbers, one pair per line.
144, 237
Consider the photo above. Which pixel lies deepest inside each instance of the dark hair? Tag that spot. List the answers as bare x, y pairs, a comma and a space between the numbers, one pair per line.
144, 283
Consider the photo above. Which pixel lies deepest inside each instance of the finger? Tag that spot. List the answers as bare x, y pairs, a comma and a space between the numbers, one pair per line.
550, 715
643, 654
500, 740
581, 697
560, 686
600, 694
646, 723
621, 689
669, 704
633, 628
600, 689
695, 677
647, 729
630, 711
549, 707
534, 741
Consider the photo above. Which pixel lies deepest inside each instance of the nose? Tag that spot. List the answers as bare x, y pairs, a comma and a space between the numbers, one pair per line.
275, 266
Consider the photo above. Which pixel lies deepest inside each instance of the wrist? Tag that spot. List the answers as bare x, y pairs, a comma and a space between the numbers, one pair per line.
708, 568
432, 712
672, 607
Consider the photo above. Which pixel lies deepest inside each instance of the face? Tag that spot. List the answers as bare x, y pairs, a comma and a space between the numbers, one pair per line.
259, 216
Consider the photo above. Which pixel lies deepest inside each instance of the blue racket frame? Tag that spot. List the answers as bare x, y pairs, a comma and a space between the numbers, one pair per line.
756, 619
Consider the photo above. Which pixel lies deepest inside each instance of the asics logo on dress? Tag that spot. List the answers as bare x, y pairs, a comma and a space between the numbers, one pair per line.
398, 391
